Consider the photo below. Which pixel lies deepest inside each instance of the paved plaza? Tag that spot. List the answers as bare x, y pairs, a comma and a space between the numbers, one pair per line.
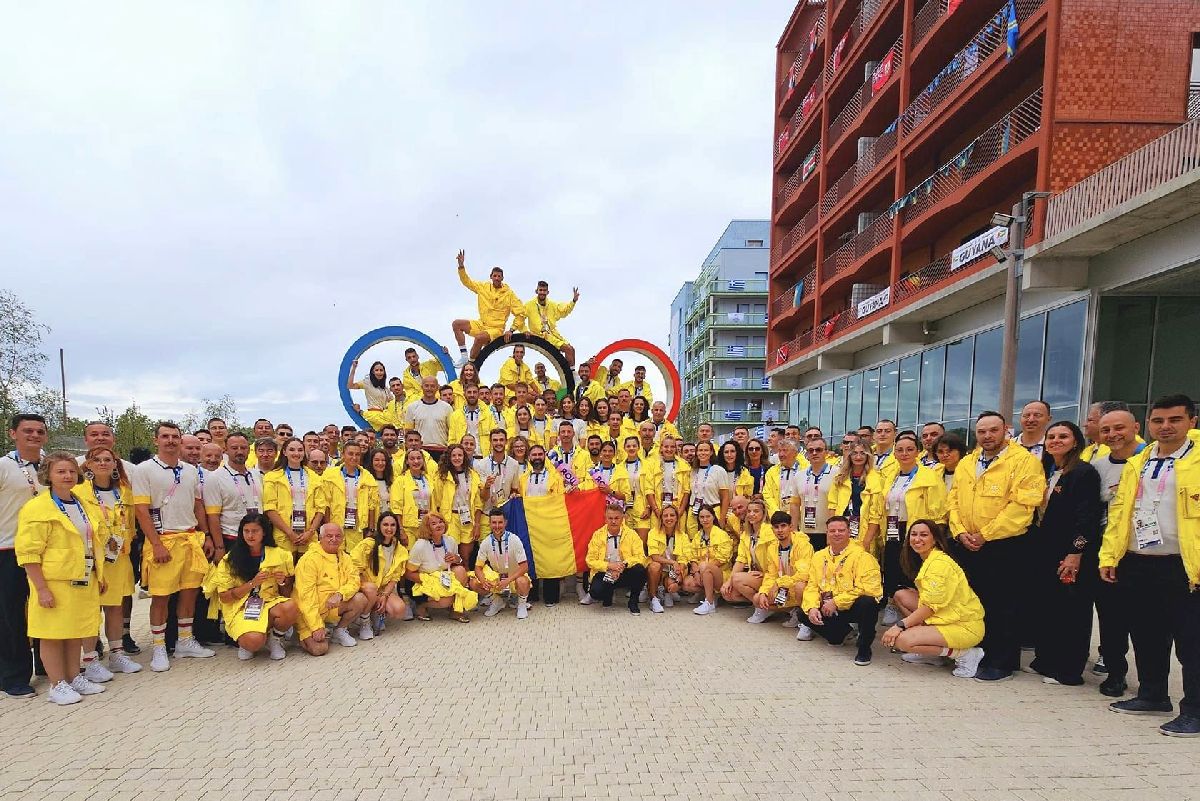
579, 702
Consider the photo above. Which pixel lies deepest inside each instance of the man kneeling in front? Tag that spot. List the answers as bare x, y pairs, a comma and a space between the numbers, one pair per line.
616, 558
502, 568
844, 587
326, 590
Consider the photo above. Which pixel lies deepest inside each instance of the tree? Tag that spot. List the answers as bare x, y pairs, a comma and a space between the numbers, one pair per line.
224, 407
131, 429
21, 362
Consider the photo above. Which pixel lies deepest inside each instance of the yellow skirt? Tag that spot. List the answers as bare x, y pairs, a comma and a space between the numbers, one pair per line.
118, 576
962, 635
430, 585
236, 623
352, 539
75, 614
185, 571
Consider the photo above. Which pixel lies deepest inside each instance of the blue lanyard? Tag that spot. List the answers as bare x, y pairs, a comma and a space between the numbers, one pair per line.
288, 472
61, 507
177, 469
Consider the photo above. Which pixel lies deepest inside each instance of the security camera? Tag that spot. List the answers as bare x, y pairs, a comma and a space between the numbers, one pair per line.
998, 253
1002, 220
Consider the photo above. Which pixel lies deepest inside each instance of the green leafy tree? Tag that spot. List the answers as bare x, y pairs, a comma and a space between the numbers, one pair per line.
21, 363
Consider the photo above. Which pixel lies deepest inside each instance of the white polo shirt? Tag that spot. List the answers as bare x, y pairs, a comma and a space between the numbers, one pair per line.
508, 480
18, 484
503, 556
171, 490
235, 493
428, 558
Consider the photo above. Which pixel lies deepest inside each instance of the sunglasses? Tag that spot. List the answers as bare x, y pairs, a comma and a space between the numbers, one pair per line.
754, 448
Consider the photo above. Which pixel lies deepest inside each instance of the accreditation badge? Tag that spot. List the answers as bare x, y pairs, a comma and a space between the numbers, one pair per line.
853, 521
893, 528
1145, 529
112, 548
89, 564
446, 579
781, 596
156, 519
298, 520
810, 518
351, 520
254, 606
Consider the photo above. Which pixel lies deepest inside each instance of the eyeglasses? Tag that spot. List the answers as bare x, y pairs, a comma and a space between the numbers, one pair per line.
816, 450
754, 448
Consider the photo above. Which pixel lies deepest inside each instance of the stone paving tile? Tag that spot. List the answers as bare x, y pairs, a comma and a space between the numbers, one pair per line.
584, 703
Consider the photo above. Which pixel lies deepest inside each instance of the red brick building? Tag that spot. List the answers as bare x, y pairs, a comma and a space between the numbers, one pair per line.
902, 125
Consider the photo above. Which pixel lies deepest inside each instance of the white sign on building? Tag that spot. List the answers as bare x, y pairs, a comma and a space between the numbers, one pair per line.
970, 251
874, 303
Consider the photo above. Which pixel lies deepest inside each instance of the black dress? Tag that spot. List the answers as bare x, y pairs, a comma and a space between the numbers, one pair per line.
1062, 616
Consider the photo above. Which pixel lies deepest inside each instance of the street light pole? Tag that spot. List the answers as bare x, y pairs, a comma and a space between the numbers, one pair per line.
1018, 228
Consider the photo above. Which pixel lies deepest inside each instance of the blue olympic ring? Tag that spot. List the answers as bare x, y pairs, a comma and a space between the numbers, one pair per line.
388, 333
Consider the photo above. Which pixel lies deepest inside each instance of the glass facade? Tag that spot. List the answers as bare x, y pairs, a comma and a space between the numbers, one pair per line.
955, 381
1144, 350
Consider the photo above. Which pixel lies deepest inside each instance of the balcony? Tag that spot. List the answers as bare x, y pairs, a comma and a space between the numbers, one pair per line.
868, 10
734, 416
790, 241
792, 348
858, 247
869, 158
888, 67
736, 320
973, 160
927, 18
737, 384
806, 55
795, 297
735, 353
793, 129
797, 181
965, 63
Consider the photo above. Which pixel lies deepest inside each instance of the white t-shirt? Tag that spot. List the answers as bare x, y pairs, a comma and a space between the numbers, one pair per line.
503, 557
18, 484
236, 494
171, 490
508, 480
790, 479
538, 482
707, 483
1159, 496
429, 558
432, 420
814, 491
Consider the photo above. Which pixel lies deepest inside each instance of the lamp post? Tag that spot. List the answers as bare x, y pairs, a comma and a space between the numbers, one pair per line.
1018, 227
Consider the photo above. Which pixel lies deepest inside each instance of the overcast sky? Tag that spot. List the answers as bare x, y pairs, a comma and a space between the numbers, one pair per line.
221, 197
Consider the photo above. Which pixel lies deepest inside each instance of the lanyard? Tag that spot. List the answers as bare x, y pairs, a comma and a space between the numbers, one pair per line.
615, 543
351, 487
837, 571
472, 415
1164, 466
287, 471
238, 487
86, 532
538, 476
178, 471
497, 467
24, 467
881, 458
116, 491
499, 546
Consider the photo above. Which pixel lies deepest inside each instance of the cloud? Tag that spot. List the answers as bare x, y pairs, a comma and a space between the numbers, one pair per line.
218, 199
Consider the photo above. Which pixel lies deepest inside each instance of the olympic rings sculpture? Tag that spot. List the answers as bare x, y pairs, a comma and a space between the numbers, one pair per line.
394, 333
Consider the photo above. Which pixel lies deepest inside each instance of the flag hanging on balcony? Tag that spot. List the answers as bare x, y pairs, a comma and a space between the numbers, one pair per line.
784, 136
952, 6
781, 354
737, 351
733, 383
1013, 31
883, 71
812, 40
837, 51
765, 383
733, 414
798, 296
809, 166
737, 286
806, 105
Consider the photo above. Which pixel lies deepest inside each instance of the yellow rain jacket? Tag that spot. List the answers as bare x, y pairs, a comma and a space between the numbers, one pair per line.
942, 586
403, 500
412, 383
840, 493
633, 390
542, 321
367, 500
850, 575
651, 477
495, 305
386, 574
554, 481
318, 576
511, 373
1000, 503
632, 550
221, 578
773, 577
925, 498
443, 502
458, 426
719, 548
277, 497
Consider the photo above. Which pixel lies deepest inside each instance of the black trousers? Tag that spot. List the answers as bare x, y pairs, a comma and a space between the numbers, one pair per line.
16, 658
1062, 624
818, 541
1112, 611
894, 577
997, 575
1159, 585
547, 590
864, 611
632, 578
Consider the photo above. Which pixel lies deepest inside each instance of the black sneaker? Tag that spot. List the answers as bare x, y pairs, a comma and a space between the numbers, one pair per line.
1113, 687
1139, 706
129, 645
634, 609
1100, 669
863, 657
1182, 726
993, 675
23, 691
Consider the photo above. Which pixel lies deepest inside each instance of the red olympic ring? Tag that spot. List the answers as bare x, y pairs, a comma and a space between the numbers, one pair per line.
660, 359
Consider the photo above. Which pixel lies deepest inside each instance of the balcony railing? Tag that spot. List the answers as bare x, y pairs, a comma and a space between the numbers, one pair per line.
792, 348
800, 116
723, 286
927, 18
807, 224
1169, 156
727, 319
987, 148
723, 352
806, 170
887, 67
735, 384
858, 246
868, 10
1193, 109
868, 160
787, 86
795, 296
733, 416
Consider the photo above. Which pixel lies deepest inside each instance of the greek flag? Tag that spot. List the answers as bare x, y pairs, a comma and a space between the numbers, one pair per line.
737, 286
737, 351
733, 414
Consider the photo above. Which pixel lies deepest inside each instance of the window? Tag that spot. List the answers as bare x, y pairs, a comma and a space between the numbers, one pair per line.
933, 370
839, 408
1064, 355
1029, 360
957, 397
1124, 335
1176, 363
889, 381
870, 400
853, 404
758, 341
826, 407
754, 243
985, 387
910, 382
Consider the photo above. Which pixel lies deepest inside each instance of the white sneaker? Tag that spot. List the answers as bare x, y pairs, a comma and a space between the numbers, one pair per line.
159, 661
342, 637
643, 596
522, 610
705, 608
793, 619
803, 632
365, 632
63, 694
890, 615
245, 655
408, 612
276, 651
119, 662
696, 598
586, 599
759, 616
81, 685
966, 665
461, 361
495, 607
581, 588
193, 649
96, 672
921, 659
656, 606
669, 599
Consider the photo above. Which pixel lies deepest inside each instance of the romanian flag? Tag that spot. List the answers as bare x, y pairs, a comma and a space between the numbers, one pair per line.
556, 530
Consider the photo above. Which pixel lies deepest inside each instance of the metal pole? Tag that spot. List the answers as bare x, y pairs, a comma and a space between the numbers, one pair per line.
62, 370
1012, 311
